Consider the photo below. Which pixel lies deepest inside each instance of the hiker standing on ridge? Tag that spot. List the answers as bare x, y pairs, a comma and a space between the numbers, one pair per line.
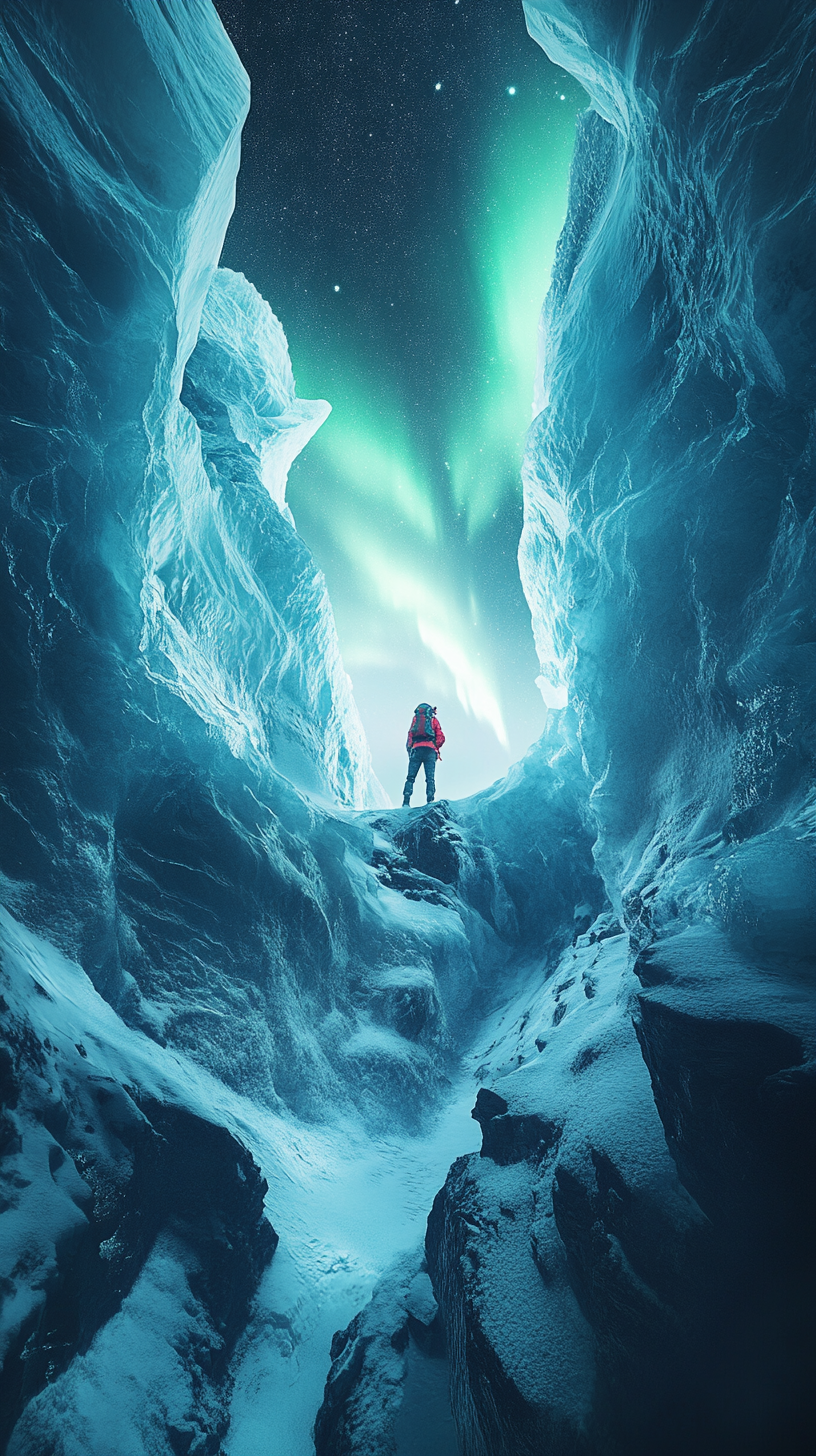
425, 739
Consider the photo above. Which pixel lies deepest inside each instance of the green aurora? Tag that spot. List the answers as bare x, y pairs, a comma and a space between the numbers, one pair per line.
399, 204
368, 486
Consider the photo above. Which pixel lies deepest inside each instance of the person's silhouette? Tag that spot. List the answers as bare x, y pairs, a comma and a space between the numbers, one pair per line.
424, 744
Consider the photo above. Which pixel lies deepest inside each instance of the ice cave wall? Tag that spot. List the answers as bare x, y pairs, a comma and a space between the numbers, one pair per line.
668, 545
161, 610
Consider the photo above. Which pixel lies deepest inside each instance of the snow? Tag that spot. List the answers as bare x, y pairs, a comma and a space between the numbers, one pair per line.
421, 1302
356, 1205
142, 1354
344, 1204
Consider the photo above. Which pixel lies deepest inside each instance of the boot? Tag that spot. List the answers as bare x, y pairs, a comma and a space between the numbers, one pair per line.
406, 803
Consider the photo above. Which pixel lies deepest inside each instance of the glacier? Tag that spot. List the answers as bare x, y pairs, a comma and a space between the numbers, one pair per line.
485, 1128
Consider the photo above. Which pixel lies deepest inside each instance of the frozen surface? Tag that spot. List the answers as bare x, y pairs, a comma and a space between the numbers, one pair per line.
343, 1204
168, 632
343, 1221
668, 542
238, 622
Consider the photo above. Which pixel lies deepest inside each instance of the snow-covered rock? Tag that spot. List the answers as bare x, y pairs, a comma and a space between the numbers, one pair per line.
133, 1231
622, 1251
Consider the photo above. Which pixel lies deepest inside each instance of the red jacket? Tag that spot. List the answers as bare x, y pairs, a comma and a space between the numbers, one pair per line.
416, 739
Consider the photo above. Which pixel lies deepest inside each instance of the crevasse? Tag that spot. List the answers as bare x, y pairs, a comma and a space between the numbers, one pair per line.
246, 1009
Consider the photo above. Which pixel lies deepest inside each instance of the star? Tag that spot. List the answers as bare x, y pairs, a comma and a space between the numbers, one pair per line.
438, 86
511, 90
337, 287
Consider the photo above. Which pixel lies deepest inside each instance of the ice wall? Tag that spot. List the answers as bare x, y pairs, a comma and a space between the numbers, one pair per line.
668, 543
161, 608
237, 618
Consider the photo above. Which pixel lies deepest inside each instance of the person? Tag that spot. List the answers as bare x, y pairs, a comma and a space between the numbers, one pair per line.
424, 743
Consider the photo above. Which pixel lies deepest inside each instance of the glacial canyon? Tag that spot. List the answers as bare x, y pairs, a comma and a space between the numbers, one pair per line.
487, 1126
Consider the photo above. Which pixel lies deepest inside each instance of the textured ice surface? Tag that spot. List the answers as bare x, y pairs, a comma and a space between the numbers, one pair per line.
162, 613
237, 618
174, 672
668, 544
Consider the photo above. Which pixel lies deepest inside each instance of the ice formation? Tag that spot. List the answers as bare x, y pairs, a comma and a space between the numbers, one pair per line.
247, 1009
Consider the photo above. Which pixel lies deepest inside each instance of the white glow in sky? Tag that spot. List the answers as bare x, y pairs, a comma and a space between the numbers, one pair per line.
410, 493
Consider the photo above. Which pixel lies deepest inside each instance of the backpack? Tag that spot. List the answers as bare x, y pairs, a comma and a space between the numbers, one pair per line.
422, 726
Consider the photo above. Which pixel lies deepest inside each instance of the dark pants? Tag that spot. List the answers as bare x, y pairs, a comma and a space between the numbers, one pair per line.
418, 756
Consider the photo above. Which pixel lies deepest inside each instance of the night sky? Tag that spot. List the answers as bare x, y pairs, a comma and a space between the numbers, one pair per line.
402, 186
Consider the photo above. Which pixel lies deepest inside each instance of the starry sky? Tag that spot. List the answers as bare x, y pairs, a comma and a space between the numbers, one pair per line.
403, 183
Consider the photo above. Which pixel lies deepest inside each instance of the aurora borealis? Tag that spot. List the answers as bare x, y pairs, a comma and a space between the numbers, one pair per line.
403, 185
